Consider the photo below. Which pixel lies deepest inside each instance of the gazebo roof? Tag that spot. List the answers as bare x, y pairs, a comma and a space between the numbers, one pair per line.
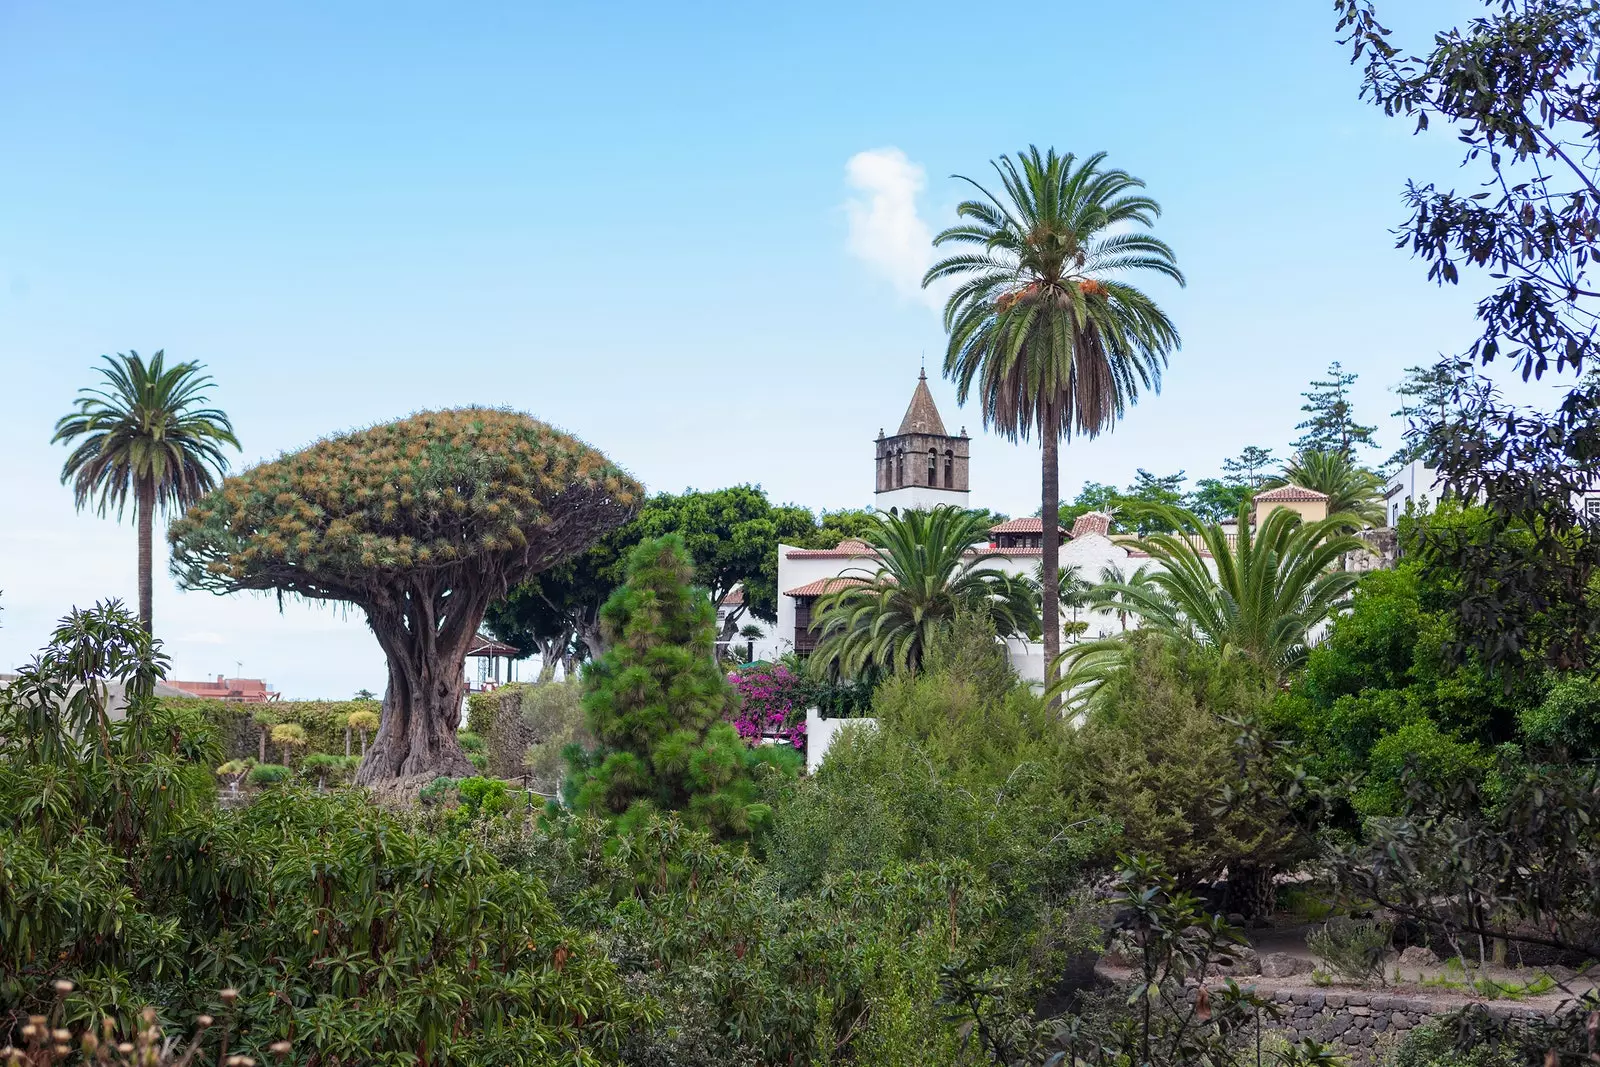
484, 646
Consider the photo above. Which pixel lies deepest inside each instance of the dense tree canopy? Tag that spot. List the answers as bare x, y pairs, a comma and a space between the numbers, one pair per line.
421, 523
1516, 86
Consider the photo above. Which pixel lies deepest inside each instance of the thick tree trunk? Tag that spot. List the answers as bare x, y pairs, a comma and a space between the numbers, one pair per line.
1050, 560
145, 504
423, 700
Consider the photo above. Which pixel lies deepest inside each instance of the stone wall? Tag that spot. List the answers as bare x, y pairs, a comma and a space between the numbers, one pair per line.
1365, 1025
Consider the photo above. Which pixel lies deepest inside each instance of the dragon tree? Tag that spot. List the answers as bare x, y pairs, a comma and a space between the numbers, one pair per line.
421, 524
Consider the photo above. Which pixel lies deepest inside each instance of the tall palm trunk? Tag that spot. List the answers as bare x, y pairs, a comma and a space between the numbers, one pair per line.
144, 501
1050, 563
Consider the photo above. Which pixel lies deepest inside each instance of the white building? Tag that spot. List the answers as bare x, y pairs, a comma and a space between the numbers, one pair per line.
1416, 486
920, 467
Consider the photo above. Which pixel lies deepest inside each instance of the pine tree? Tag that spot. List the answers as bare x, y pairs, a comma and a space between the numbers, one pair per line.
1249, 467
1428, 393
1332, 426
659, 705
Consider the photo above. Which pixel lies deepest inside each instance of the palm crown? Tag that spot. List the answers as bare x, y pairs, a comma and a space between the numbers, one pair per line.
1043, 323
1350, 488
144, 434
927, 572
1270, 588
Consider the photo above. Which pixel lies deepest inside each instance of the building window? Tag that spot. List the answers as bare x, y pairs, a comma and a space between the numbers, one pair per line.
1591, 508
949, 469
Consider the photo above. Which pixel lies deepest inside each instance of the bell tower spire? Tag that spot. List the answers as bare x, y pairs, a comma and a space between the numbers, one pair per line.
922, 465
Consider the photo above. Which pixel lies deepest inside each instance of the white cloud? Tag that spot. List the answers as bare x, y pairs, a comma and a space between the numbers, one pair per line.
886, 231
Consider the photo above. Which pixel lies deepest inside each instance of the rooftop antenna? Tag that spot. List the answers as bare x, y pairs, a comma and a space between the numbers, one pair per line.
238, 665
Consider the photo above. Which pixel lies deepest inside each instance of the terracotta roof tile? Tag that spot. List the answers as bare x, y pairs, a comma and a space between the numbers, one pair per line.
1290, 492
735, 597
850, 548
1033, 525
1092, 522
824, 586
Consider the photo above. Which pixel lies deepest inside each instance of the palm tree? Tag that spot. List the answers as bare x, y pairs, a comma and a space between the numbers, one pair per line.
1106, 596
1043, 325
143, 433
1349, 488
1270, 590
927, 571
1072, 589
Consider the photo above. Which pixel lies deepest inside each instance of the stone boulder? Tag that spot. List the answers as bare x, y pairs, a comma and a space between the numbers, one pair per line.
1418, 956
1283, 965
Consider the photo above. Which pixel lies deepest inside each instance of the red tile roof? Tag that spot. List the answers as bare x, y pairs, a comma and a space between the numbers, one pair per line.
823, 586
243, 690
847, 549
735, 597
1091, 522
1034, 525
1290, 492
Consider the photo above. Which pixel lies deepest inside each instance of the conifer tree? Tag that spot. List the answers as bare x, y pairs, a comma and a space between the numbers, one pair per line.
659, 705
1332, 426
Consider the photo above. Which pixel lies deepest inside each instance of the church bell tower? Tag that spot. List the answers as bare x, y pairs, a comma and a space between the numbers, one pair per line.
921, 466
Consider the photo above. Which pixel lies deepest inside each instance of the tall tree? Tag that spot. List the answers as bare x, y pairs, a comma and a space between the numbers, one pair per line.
1043, 323
1516, 86
420, 523
1216, 499
658, 704
143, 433
927, 572
1249, 466
1330, 425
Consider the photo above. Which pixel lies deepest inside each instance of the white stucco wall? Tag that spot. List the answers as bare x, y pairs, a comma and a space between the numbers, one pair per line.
820, 735
1091, 554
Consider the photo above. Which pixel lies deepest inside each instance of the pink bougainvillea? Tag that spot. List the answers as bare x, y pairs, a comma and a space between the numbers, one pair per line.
771, 704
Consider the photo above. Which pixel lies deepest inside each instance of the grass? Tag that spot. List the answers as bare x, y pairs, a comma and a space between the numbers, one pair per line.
1306, 905
1455, 978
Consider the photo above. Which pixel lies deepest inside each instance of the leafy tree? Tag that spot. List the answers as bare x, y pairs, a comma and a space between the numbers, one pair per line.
556, 614
421, 524
1044, 323
1515, 86
143, 433
1331, 424
1215, 499
1271, 588
1351, 489
659, 706
1249, 467
926, 573
1164, 491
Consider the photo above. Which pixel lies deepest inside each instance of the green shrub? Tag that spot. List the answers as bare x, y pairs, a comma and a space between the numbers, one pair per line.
324, 721
1159, 751
1354, 949
296, 899
265, 774
1438, 1044
438, 791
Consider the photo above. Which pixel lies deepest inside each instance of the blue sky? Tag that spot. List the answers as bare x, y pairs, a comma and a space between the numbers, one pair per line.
688, 233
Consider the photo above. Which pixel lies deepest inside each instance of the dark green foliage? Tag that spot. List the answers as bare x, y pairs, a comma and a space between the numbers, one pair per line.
1515, 85
1160, 754
361, 940
265, 774
1384, 690
1439, 1044
746, 975
657, 703
963, 761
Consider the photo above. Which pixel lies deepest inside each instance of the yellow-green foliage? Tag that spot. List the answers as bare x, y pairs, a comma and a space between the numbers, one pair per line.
323, 721
431, 490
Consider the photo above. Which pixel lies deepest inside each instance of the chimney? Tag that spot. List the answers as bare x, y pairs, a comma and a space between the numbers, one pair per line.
219, 679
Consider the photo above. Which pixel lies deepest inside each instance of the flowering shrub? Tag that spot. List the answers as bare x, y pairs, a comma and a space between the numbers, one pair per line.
772, 704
